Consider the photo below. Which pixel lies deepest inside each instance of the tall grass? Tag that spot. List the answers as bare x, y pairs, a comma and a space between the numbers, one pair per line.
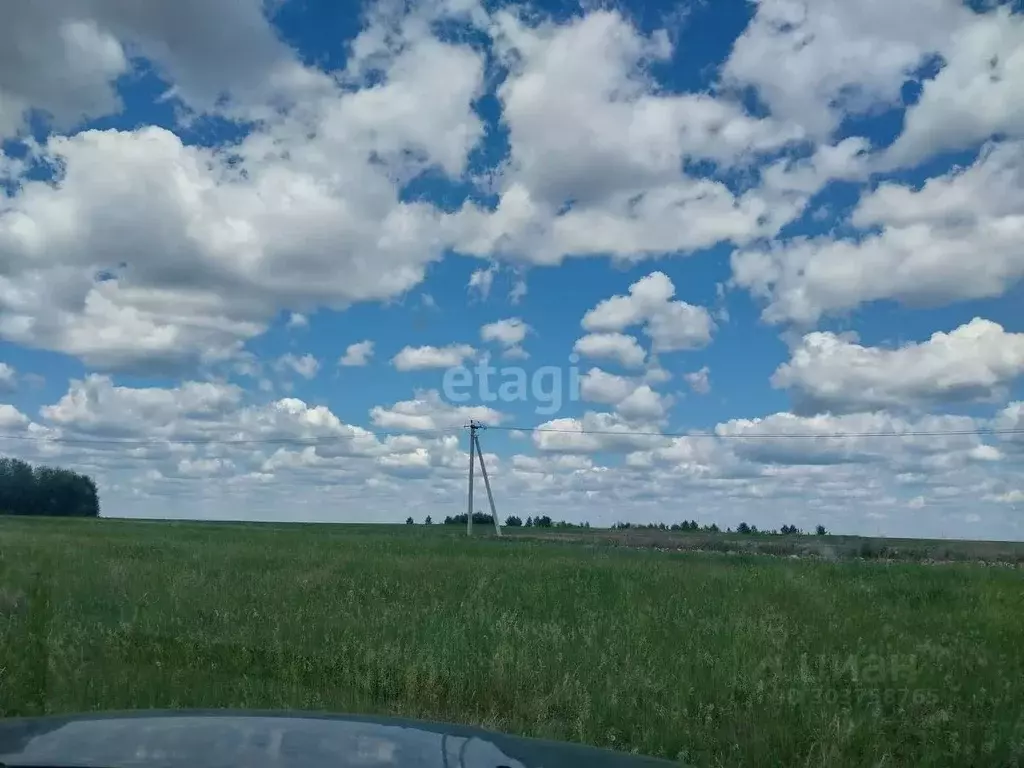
740, 661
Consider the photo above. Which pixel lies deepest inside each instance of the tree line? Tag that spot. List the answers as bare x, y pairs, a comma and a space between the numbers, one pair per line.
42, 491
744, 528
512, 521
543, 521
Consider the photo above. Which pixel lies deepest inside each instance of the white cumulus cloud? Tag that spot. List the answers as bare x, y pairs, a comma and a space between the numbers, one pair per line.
306, 365
614, 182
978, 93
699, 381
8, 378
297, 320
977, 360
671, 325
813, 63
428, 412
612, 346
510, 333
420, 358
925, 250
357, 355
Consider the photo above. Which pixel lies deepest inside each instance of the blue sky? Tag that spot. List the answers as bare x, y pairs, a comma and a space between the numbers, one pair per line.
244, 246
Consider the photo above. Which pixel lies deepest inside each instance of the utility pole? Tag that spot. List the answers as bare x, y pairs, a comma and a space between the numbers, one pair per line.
487, 485
474, 448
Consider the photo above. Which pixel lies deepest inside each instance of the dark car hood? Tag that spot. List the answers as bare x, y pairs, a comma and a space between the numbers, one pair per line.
236, 739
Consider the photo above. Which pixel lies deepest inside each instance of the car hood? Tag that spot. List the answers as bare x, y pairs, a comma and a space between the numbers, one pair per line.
236, 739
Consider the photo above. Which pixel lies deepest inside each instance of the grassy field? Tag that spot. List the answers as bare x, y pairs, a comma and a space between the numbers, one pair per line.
716, 661
822, 547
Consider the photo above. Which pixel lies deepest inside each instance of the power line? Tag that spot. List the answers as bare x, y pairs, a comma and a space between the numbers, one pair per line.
770, 435
329, 439
301, 441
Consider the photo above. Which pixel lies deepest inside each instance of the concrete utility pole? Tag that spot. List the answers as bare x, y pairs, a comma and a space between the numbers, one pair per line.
474, 448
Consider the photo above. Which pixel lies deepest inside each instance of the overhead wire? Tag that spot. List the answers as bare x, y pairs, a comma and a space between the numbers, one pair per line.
328, 439
284, 440
772, 435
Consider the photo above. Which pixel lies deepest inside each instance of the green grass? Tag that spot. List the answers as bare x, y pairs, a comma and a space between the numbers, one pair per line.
718, 661
823, 547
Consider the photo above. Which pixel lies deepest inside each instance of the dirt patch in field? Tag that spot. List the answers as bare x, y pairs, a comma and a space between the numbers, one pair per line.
832, 548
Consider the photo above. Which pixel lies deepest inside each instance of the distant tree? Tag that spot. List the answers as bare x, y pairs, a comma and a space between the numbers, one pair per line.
753, 529
513, 522
53, 491
586, 523
820, 530
529, 522
743, 528
409, 520
478, 518
428, 521
542, 522
713, 528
